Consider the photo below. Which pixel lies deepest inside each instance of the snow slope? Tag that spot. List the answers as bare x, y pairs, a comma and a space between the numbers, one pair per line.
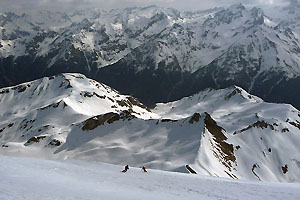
224, 133
46, 109
264, 135
23, 178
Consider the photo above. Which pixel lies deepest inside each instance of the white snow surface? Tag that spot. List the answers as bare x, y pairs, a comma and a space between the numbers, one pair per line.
34, 179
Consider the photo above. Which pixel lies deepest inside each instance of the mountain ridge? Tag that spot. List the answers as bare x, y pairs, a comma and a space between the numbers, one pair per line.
171, 53
212, 131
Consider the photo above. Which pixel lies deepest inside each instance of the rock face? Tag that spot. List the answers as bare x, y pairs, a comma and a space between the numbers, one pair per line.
156, 54
225, 133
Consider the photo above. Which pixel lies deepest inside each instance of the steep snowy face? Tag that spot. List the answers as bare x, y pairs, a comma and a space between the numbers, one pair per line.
255, 51
210, 101
83, 95
244, 137
46, 109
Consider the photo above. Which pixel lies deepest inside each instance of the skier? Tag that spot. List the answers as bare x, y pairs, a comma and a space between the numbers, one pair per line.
144, 169
125, 169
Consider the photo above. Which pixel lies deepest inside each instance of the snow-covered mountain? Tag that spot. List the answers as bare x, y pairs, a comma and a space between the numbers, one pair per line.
171, 54
226, 133
46, 109
244, 133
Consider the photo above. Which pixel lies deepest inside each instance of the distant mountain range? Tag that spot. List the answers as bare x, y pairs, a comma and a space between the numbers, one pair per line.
224, 133
157, 54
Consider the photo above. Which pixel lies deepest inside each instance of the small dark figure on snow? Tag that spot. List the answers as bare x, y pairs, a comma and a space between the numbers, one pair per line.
190, 169
126, 169
144, 169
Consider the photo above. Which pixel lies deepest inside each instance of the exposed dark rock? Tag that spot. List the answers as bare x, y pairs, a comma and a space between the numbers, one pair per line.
24, 124
89, 94
214, 129
20, 88
55, 142
94, 122
10, 125
54, 105
168, 120
124, 103
195, 118
86, 94
4, 91
223, 151
111, 99
136, 102
296, 124
285, 130
35, 139
258, 124
235, 91
66, 83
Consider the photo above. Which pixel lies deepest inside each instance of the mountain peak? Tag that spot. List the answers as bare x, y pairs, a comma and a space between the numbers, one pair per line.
83, 95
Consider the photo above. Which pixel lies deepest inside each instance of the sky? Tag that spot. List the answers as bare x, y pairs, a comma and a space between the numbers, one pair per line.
109, 4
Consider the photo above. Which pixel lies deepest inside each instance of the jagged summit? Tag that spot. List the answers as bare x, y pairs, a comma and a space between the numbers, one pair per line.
208, 100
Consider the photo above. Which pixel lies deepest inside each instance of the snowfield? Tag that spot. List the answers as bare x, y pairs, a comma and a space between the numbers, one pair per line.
34, 179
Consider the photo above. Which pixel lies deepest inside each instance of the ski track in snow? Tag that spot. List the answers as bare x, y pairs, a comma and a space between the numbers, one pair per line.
27, 178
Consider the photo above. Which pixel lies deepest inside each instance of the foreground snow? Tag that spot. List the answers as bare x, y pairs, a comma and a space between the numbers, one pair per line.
25, 178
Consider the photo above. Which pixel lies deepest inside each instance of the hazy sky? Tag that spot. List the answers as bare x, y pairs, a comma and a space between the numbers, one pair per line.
108, 4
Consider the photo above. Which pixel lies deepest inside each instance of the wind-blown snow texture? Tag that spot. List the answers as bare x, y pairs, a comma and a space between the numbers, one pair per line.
23, 178
226, 133
171, 54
